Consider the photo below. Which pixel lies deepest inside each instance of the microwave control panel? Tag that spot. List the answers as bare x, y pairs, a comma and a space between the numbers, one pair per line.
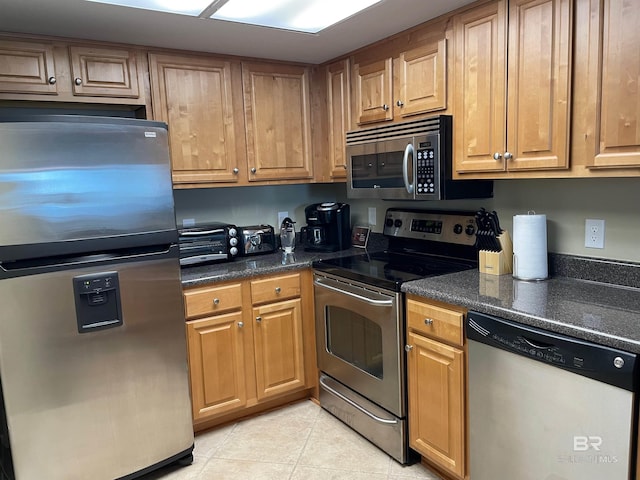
426, 162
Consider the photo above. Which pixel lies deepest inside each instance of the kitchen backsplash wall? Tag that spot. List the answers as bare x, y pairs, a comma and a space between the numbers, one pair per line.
565, 202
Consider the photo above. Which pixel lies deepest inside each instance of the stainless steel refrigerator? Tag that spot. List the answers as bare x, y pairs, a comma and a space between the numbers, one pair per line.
93, 364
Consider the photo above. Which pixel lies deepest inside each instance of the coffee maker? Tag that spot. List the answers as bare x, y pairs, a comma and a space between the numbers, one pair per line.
328, 227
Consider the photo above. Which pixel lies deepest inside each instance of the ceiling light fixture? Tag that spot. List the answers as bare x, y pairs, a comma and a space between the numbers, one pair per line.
308, 16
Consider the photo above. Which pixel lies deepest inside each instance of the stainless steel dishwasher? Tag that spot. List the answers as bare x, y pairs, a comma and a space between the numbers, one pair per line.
544, 406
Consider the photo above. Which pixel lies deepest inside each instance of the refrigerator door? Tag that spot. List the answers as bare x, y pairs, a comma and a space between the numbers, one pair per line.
72, 184
104, 403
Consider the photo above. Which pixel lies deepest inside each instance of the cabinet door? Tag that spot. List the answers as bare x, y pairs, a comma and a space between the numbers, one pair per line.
277, 118
423, 79
278, 348
618, 124
104, 72
436, 402
539, 64
216, 364
480, 114
338, 84
373, 91
27, 67
194, 97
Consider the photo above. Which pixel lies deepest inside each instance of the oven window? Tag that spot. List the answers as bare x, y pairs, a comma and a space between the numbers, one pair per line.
355, 339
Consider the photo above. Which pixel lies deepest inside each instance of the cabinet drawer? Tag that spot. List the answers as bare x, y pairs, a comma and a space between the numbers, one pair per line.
212, 300
434, 321
276, 288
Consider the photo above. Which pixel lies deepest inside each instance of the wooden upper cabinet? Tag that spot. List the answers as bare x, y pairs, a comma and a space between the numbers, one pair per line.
104, 72
277, 121
373, 91
521, 123
193, 95
618, 106
27, 67
422, 73
339, 116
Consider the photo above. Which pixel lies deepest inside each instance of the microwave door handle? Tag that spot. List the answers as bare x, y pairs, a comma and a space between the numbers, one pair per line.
405, 167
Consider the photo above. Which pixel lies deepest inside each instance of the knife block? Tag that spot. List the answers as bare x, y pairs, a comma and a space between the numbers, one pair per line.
498, 263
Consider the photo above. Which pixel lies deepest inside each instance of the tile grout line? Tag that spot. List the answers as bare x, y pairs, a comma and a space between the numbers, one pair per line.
315, 421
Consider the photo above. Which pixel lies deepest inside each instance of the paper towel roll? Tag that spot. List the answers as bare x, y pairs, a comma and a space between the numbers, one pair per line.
530, 247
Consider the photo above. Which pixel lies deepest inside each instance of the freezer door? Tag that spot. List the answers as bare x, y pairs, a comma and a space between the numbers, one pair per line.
103, 403
72, 184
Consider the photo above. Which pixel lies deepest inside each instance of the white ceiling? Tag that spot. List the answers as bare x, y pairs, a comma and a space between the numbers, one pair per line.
95, 21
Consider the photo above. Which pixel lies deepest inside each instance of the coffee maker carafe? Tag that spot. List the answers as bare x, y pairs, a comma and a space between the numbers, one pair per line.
328, 227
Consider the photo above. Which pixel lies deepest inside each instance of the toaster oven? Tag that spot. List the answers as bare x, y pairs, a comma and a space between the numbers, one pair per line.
213, 242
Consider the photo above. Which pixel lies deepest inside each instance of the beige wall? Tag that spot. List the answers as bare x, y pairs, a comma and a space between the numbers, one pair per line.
565, 202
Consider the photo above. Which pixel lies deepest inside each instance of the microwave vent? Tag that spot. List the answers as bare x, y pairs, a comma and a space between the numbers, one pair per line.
396, 130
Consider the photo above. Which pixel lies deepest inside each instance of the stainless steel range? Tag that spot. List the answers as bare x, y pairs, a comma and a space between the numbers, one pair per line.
360, 320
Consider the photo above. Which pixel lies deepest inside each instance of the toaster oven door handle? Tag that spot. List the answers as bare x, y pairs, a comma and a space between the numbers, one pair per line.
371, 301
405, 167
201, 232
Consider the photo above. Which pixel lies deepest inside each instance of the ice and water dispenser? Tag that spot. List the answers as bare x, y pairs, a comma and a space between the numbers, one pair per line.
97, 299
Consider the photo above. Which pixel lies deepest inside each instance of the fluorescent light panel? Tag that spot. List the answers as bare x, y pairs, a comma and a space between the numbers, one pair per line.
309, 16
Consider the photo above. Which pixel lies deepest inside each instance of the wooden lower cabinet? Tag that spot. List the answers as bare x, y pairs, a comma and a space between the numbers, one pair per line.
436, 385
250, 345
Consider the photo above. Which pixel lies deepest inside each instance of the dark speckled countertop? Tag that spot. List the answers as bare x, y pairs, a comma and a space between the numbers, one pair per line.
603, 313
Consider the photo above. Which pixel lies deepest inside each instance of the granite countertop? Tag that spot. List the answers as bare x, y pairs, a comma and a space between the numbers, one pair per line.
604, 313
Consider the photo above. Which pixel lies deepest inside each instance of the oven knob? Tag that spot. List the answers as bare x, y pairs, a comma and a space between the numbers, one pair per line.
233, 241
233, 251
470, 230
457, 229
233, 232
388, 222
397, 223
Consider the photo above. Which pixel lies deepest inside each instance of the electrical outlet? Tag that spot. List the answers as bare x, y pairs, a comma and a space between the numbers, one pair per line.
281, 217
594, 233
188, 222
372, 216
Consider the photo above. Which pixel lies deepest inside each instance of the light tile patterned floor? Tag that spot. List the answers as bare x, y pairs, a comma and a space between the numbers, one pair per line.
300, 441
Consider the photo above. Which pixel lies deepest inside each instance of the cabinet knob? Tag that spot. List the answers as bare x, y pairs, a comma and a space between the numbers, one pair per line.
52, 80
253, 170
258, 319
240, 324
400, 103
216, 301
408, 348
497, 156
428, 321
385, 107
78, 81
278, 289
235, 171
507, 156
344, 166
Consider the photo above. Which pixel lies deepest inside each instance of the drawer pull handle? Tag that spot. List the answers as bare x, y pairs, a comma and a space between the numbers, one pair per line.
428, 321
240, 324
78, 81
258, 319
278, 289
216, 301
408, 348
52, 80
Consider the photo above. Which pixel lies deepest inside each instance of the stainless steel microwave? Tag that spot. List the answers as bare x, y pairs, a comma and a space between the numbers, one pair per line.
407, 161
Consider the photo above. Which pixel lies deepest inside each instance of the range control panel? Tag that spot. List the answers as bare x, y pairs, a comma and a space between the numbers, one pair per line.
435, 225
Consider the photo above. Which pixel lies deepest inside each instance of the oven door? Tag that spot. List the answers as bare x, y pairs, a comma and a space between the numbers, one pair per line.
358, 335
381, 169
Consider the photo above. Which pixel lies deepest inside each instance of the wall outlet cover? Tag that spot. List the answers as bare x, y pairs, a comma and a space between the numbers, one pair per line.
281, 217
372, 216
594, 233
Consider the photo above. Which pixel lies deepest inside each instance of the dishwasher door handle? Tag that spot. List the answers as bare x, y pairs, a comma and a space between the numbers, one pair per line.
371, 301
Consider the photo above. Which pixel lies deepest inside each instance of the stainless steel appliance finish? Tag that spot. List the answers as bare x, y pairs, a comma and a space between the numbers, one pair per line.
213, 242
360, 320
407, 161
257, 239
546, 406
92, 343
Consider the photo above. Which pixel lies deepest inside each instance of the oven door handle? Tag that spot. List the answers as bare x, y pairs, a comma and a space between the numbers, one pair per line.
405, 167
371, 301
356, 406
